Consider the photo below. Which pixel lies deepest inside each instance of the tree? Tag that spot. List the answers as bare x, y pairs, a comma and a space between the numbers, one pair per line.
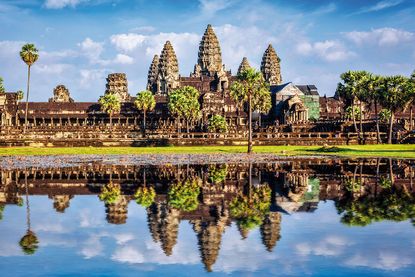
110, 104
184, 195
373, 95
29, 54
20, 95
397, 92
252, 90
217, 123
145, 102
184, 102
110, 193
352, 89
144, 196
2, 90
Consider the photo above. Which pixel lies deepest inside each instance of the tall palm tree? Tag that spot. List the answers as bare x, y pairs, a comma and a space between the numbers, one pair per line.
184, 102
373, 95
29, 55
29, 242
252, 90
2, 90
110, 104
397, 93
145, 102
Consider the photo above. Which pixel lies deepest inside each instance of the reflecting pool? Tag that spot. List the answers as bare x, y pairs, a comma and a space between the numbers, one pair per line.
288, 218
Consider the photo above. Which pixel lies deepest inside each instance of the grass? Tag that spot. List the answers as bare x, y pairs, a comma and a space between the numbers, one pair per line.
394, 151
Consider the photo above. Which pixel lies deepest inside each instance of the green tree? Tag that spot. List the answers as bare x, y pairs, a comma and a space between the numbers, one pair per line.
29, 54
397, 94
184, 195
145, 102
110, 193
353, 111
110, 104
20, 95
2, 90
217, 123
384, 115
373, 95
184, 102
145, 196
217, 173
252, 90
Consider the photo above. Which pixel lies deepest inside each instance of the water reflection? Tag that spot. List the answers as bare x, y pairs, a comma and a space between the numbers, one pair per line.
212, 197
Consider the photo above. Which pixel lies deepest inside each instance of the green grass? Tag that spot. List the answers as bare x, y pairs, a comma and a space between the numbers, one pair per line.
396, 151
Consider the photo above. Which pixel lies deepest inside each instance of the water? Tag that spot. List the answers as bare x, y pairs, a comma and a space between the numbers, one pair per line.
288, 218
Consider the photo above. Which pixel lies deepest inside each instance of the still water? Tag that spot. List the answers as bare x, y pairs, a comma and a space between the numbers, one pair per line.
288, 218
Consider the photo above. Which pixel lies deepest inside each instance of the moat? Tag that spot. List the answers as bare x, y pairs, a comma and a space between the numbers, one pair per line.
192, 215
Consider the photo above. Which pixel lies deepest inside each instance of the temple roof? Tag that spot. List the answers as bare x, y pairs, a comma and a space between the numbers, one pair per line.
168, 64
270, 66
244, 65
210, 56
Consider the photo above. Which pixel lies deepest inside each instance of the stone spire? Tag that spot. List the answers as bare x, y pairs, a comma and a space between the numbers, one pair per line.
117, 212
61, 95
270, 66
168, 70
270, 230
117, 84
61, 202
244, 65
152, 74
210, 56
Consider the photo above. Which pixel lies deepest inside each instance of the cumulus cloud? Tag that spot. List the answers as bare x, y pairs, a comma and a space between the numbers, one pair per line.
329, 50
91, 49
330, 246
59, 4
210, 7
384, 260
381, 37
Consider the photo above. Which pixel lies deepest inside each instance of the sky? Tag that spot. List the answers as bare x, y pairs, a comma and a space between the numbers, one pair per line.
82, 41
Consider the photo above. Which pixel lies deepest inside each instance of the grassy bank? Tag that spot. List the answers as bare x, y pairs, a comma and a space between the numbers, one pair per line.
398, 151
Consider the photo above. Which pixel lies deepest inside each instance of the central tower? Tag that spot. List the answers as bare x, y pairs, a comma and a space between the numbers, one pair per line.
209, 59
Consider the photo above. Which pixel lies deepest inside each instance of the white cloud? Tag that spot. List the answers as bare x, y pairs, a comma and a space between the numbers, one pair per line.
381, 37
91, 49
380, 6
128, 254
331, 7
90, 76
330, 246
59, 4
382, 260
93, 246
210, 7
127, 42
329, 50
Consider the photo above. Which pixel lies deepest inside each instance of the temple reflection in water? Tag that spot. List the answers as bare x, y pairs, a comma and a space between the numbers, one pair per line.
212, 197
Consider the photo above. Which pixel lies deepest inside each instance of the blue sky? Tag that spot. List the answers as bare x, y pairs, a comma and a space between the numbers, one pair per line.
81, 41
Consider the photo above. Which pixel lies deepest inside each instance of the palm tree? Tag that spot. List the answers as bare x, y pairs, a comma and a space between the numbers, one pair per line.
397, 93
373, 95
252, 90
2, 90
145, 102
29, 55
29, 242
110, 104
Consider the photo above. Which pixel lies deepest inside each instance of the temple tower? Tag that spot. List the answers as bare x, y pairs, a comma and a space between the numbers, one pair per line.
117, 84
117, 212
270, 66
61, 95
168, 70
152, 74
61, 202
210, 56
244, 65
270, 230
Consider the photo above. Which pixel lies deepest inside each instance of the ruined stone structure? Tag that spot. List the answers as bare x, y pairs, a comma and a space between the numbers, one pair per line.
61, 95
299, 115
118, 85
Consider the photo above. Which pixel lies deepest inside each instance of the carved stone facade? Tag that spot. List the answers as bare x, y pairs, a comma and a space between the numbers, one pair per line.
152, 74
168, 71
118, 85
210, 55
270, 66
61, 95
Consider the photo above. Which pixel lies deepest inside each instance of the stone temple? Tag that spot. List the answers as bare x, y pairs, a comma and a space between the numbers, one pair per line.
299, 114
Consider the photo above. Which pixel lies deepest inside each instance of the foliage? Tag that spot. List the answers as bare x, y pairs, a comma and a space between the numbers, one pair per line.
217, 123
217, 173
353, 110
184, 195
384, 115
145, 101
144, 196
1, 211
2, 90
20, 95
397, 92
390, 204
250, 210
385, 182
110, 103
184, 102
29, 54
110, 193
29, 243
252, 86
352, 185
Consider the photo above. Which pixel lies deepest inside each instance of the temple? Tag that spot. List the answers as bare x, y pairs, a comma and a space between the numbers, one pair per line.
299, 113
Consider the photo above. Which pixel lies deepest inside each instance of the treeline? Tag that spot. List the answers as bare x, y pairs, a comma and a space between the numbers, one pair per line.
393, 93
